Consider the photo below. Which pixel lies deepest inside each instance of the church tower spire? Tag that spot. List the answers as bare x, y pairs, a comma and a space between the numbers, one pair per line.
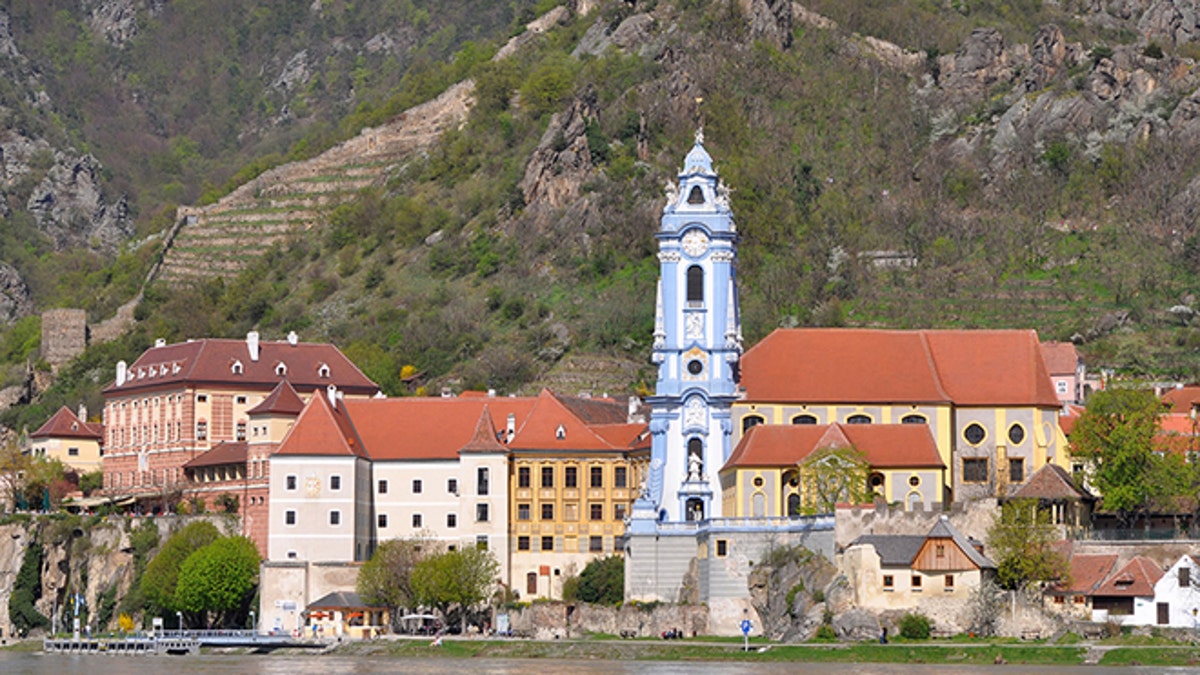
697, 344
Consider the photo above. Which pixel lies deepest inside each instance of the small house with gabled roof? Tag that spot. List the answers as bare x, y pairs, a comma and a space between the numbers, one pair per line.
892, 571
1128, 595
71, 439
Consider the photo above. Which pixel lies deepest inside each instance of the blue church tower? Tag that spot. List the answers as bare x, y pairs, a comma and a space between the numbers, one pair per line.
697, 344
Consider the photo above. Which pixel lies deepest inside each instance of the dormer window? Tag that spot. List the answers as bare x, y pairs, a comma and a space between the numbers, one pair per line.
561, 432
323, 371
280, 369
237, 368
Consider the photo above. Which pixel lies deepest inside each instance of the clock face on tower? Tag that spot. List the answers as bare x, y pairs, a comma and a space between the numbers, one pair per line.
695, 243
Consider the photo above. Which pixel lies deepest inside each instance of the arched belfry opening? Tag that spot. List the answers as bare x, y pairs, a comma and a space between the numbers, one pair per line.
696, 196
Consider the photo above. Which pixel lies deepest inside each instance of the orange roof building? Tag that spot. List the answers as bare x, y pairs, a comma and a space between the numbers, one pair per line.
69, 438
985, 397
769, 473
543, 482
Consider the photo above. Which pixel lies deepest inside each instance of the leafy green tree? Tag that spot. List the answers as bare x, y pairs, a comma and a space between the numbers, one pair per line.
1116, 433
834, 475
1020, 541
219, 580
386, 579
602, 581
90, 482
461, 578
161, 578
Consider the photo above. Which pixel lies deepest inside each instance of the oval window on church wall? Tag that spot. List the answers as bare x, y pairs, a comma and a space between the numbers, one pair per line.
974, 433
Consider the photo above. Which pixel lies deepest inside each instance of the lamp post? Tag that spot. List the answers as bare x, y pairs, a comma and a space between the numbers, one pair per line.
253, 624
179, 615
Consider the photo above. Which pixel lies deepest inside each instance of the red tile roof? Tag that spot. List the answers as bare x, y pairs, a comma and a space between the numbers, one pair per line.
1051, 482
1061, 357
484, 439
322, 430
66, 424
222, 453
551, 425
1182, 399
441, 428
1087, 573
211, 361
1135, 579
885, 445
283, 400
835, 365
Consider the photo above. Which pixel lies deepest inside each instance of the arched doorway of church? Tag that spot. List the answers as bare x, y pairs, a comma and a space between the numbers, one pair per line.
914, 502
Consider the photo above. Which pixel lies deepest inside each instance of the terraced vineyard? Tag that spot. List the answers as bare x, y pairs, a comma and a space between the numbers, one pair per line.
221, 239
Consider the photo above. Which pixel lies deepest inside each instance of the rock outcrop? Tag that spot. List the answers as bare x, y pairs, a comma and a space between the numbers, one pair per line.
562, 161
15, 299
790, 597
71, 209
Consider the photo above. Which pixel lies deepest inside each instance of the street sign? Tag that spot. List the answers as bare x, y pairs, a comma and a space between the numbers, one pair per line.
746, 626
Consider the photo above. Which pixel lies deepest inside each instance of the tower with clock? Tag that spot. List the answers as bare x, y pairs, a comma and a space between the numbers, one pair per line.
697, 344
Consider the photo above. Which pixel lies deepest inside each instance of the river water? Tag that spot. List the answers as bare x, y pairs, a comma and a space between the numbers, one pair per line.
60, 664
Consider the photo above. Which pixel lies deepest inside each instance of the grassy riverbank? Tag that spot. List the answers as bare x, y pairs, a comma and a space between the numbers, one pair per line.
702, 650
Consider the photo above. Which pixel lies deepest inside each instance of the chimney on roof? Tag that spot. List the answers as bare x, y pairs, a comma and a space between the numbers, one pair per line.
82, 412
122, 371
332, 392
160, 342
491, 393
510, 428
292, 338
447, 393
252, 344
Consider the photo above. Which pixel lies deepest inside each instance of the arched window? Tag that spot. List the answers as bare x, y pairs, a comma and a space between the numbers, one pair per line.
914, 419
236, 368
793, 504
858, 419
804, 419
280, 369
695, 286
696, 196
751, 421
695, 458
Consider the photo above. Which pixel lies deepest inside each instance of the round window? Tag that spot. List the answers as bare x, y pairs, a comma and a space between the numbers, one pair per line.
876, 481
914, 481
695, 367
1016, 434
758, 481
974, 433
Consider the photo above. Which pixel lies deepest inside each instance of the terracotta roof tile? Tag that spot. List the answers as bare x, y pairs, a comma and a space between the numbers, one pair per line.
1182, 399
1061, 357
212, 361
1051, 482
427, 427
1087, 573
1135, 579
66, 424
484, 439
222, 453
552, 425
885, 445
322, 430
835, 365
283, 400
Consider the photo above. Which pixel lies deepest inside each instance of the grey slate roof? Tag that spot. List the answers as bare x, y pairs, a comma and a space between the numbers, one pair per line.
899, 550
895, 550
339, 600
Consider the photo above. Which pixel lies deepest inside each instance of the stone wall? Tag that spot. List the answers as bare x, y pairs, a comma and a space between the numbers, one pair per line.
551, 620
64, 335
972, 518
